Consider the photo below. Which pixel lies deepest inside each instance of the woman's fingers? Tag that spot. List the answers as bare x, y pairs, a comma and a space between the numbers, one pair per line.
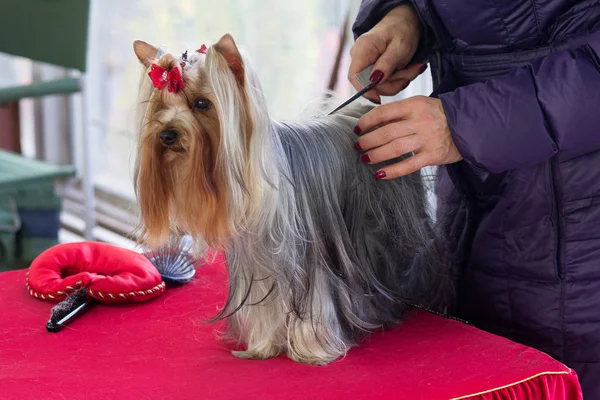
384, 135
396, 55
404, 167
371, 49
417, 125
373, 96
394, 149
400, 80
383, 115
409, 73
392, 87
389, 45
365, 52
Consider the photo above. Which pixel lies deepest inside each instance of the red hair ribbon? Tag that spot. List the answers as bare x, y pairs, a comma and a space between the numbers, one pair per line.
161, 77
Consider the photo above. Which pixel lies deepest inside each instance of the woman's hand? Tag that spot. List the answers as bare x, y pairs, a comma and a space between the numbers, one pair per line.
418, 125
390, 45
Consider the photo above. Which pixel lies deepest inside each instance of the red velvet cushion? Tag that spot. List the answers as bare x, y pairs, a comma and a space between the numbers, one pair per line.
162, 350
112, 274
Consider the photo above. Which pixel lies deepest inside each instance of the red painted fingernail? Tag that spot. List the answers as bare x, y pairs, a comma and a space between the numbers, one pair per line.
376, 101
380, 175
423, 69
357, 130
357, 146
376, 77
365, 158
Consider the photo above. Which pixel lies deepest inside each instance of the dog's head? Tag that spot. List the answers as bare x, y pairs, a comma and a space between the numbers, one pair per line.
195, 129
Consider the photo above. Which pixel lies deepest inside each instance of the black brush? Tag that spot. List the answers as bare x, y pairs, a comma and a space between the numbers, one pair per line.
68, 310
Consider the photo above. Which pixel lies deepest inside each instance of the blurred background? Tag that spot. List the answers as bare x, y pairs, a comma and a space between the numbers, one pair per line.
293, 45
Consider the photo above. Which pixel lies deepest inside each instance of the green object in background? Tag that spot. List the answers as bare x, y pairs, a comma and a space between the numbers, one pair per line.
55, 87
9, 225
18, 172
50, 31
30, 247
53, 32
26, 184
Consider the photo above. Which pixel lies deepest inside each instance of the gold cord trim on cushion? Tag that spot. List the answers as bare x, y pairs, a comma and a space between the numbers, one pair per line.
157, 288
513, 384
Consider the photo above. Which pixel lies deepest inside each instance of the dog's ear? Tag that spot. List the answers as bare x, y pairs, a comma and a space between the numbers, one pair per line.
145, 52
227, 48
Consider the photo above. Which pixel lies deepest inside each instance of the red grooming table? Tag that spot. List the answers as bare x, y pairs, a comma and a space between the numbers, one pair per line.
162, 350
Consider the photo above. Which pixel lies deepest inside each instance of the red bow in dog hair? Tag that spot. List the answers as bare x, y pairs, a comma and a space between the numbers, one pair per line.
173, 78
161, 77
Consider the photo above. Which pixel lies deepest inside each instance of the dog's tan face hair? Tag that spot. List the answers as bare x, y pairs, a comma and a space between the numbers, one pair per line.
180, 173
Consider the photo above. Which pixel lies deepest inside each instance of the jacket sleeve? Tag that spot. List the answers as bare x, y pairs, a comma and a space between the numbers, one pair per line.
527, 116
371, 12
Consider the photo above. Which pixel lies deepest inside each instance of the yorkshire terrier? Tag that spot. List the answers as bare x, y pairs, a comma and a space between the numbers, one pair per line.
319, 252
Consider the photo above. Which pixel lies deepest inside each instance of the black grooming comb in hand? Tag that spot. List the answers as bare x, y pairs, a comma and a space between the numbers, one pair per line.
362, 78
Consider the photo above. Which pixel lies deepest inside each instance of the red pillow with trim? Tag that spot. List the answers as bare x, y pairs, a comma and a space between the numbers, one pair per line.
111, 274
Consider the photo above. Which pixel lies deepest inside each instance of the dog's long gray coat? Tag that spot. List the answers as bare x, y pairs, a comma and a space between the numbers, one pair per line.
344, 253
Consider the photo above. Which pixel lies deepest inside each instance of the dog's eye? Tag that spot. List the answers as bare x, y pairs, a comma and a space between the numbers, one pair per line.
202, 104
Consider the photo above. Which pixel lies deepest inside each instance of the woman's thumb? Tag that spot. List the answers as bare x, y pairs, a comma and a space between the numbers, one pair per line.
395, 56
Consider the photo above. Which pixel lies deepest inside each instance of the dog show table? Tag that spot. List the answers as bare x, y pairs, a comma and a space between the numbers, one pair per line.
163, 350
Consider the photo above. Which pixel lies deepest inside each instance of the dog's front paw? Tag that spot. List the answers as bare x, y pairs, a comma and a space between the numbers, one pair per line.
311, 360
255, 355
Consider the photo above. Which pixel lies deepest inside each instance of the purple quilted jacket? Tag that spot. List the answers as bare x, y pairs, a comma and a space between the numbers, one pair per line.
520, 83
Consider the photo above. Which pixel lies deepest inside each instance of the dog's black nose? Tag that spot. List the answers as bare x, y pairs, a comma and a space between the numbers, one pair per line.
168, 138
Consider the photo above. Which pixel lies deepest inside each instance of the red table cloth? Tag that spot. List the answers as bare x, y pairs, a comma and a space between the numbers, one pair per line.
163, 350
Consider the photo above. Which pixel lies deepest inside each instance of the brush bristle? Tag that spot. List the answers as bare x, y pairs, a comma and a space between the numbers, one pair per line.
175, 262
